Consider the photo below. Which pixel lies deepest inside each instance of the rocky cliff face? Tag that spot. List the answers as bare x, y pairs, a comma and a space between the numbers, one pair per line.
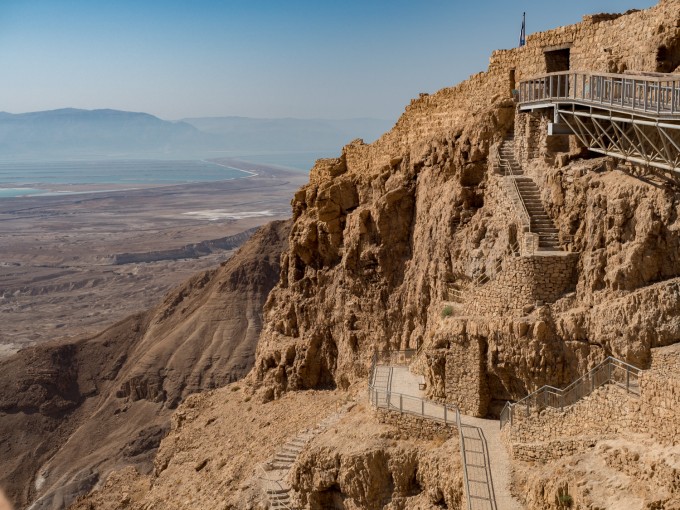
382, 233
71, 412
381, 238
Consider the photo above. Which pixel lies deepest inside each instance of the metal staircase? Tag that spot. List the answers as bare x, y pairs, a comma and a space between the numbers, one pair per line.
530, 197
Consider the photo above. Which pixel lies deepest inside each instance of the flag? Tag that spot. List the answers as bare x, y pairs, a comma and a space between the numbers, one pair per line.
523, 33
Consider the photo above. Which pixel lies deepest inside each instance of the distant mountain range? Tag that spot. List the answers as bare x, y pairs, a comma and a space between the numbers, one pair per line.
244, 133
81, 134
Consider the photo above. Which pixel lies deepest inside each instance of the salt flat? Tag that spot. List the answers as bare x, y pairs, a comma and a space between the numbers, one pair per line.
57, 273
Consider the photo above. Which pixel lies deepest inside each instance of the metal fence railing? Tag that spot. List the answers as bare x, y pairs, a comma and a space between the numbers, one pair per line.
479, 493
646, 94
610, 371
476, 468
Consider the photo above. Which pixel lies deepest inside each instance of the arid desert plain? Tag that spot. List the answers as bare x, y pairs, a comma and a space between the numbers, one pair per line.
61, 270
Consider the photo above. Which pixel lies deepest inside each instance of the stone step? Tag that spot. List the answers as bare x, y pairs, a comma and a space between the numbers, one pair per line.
277, 492
284, 466
282, 496
285, 457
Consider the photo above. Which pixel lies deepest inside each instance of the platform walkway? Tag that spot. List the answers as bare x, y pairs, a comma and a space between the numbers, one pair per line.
487, 463
631, 117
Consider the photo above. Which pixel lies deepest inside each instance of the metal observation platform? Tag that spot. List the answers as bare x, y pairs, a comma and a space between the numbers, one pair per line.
635, 117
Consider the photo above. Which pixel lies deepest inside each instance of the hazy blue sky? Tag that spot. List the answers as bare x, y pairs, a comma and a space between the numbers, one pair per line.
259, 58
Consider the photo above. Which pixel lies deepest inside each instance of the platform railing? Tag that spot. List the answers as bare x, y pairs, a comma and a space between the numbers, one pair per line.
610, 371
640, 93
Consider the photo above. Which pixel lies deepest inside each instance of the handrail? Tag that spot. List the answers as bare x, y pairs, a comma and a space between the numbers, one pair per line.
384, 398
627, 74
264, 477
628, 92
549, 396
464, 457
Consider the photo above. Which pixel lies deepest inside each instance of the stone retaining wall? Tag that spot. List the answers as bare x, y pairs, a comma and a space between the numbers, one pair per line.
465, 376
523, 281
416, 427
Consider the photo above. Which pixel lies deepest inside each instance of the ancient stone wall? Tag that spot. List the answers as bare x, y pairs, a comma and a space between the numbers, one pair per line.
465, 380
523, 282
603, 43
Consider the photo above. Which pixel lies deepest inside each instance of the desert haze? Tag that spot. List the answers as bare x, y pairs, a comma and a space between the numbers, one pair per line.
476, 307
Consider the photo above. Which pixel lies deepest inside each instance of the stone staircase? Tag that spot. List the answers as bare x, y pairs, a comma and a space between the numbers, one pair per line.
273, 479
541, 224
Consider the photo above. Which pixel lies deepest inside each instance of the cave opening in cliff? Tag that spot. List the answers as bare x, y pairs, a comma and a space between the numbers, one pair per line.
329, 499
668, 58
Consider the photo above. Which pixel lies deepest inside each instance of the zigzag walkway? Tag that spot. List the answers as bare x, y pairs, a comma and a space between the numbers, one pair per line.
610, 371
487, 481
273, 475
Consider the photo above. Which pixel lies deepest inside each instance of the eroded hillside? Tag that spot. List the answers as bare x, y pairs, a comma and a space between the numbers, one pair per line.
73, 411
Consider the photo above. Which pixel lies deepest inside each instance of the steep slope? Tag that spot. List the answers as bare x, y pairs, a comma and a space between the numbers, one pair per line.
71, 412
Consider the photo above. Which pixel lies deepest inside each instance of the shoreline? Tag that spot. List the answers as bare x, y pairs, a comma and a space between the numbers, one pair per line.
46, 190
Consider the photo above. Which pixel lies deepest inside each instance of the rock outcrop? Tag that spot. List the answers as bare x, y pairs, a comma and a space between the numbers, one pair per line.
71, 412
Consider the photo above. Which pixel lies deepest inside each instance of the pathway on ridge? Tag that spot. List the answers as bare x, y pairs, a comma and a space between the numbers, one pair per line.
406, 383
